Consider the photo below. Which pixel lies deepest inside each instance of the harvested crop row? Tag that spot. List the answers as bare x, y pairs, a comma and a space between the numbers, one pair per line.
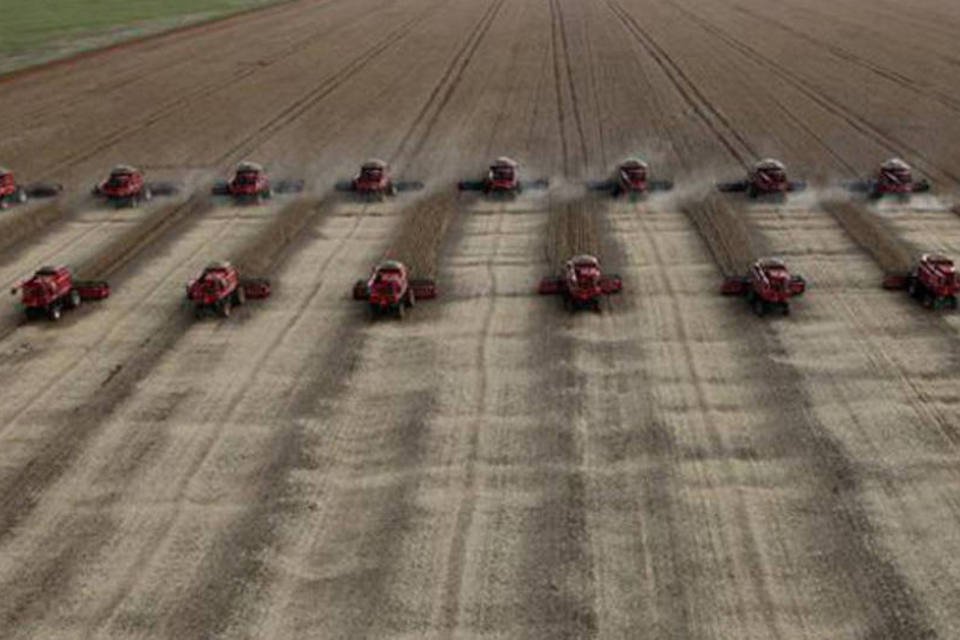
262, 252
422, 233
892, 253
573, 228
732, 242
127, 245
25, 222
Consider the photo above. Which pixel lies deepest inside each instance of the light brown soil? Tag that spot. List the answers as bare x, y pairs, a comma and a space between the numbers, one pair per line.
490, 466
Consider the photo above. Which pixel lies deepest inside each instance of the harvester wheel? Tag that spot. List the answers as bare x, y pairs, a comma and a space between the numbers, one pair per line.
400, 308
74, 300
759, 307
20, 195
224, 308
785, 309
239, 296
411, 298
54, 312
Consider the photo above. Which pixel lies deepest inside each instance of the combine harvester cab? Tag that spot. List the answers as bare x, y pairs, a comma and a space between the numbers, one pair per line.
894, 178
374, 180
127, 186
12, 193
250, 184
219, 288
768, 286
766, 179
503, 180
390, 291
933, 281
582, 284
52, 290
631, 179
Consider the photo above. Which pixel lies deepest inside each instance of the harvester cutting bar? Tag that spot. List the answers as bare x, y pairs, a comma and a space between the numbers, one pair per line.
92, 289
256, 288
423, 288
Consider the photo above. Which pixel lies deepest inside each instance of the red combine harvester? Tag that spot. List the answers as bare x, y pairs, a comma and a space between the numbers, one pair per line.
12, 193
894, 177
581, 283
933, 281
250, 184
767, 286
219, 288
126, 186
390, 290
631, 179
374, 180
51, 290
503, 179
767, 178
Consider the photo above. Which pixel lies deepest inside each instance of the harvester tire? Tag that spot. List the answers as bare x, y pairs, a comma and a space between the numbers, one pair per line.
785, 309
224, 308
239, 296
74, 299
759, 307
400, 308
20, 195
54, 312
411, 298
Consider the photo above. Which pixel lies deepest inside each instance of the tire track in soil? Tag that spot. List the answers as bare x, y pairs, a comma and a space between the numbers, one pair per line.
251, 537
848, 56
323, 89
893, 255
181, 102
109, 88
210, 609
718, 124
849, 534
861, 124
159, 226
466, 510
445, 87
665, 540
563, 77
734, 245
18, 499
714, 430
44, 581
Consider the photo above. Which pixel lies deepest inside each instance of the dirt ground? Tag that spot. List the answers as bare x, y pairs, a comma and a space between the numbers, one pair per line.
492, 466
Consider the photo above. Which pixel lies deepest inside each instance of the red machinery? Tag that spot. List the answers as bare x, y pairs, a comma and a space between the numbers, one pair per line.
894, 177
503, 178
768, 178
219, 287
250, 183
767, 286
374, 180
390, 290
632, 178
51, 290
126, 186
582, 284
933, 281
12, 193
